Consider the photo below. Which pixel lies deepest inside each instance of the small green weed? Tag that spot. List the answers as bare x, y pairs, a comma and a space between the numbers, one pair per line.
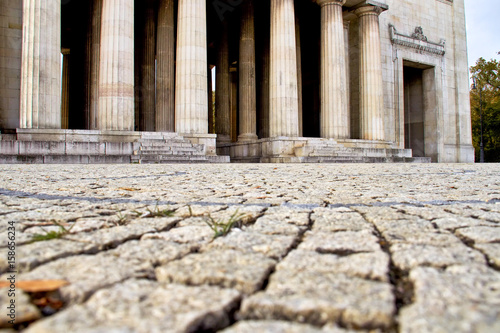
156, 212
122, 219
221, 228
52, 234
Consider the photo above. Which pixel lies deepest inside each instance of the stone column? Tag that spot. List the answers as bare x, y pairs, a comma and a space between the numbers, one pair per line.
211, 118
191, 109
347, 76
299, 73
40, 105
264, 90
247, 95
148, 58
223, 89
65, 89
334, 113
370, 86
116, 74
284, 107
93, 54
165, 71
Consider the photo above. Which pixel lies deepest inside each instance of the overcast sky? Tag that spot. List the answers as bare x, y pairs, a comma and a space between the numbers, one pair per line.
483, 29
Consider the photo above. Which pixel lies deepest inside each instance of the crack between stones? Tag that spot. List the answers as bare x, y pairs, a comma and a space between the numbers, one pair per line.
403, 289
471, 244
298, 240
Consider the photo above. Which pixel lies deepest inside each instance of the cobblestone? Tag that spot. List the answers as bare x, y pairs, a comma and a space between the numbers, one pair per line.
314, 248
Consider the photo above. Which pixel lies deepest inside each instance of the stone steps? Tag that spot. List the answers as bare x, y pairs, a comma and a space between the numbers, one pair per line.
145, 148
330, 151
160, 149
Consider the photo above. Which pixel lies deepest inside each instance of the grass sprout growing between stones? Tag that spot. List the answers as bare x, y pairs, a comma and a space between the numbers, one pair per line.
156, 212
52, 234
221, 228
122, 219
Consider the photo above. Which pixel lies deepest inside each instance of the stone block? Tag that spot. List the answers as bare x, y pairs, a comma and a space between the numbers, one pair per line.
65, 159
35, 134
209, 140
119, 136
9, 147
85, 148
119, 148
42, 148
82, 135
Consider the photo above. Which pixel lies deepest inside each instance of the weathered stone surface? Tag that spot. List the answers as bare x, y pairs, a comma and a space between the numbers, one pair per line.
403, 235
89, 273
317, 299
112, 237
32, 255
145, 306
458, 299
191, 234
372, 265
24, 311
454, 222
407, 256
480, 234
272, 246
374, 215
198, 210
276, 326
341, 243
243, 214
333, 221
225, 268
492, 251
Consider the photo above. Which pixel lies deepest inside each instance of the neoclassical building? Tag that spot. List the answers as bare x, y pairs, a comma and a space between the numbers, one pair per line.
257, 80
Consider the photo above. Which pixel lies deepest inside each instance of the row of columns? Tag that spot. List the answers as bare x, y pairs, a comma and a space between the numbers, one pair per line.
41, 93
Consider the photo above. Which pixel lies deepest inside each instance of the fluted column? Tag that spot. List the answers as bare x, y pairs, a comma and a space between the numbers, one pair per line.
191, 100
40, 105
165, 72
264, 89
116, 77
65, 89
347, 76
247, 95
147, 82
223, 89
92, 63
334, 113
284, 110
299, 74
371, 91
211, 119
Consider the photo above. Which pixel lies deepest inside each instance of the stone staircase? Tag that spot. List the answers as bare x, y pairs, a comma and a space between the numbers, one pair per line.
353, 151
85, 148
171, 148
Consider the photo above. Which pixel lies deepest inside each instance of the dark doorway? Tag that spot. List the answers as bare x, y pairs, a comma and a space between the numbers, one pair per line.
414, 111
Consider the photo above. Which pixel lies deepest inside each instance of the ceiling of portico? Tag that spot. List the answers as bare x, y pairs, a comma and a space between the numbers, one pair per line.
353, 3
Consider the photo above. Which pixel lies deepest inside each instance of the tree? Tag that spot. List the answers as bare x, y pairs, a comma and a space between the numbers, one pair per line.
487, 75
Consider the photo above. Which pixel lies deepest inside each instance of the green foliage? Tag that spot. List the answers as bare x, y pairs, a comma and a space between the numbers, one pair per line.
51, 234
487, 74
221, 228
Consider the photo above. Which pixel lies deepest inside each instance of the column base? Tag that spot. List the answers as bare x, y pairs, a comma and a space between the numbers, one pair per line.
249, 137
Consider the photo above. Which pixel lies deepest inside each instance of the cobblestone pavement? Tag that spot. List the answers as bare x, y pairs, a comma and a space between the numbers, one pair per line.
314, 248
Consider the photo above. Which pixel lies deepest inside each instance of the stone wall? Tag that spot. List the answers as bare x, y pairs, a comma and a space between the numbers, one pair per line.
440, 20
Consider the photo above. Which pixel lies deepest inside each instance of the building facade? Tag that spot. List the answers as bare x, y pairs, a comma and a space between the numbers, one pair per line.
259, 80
